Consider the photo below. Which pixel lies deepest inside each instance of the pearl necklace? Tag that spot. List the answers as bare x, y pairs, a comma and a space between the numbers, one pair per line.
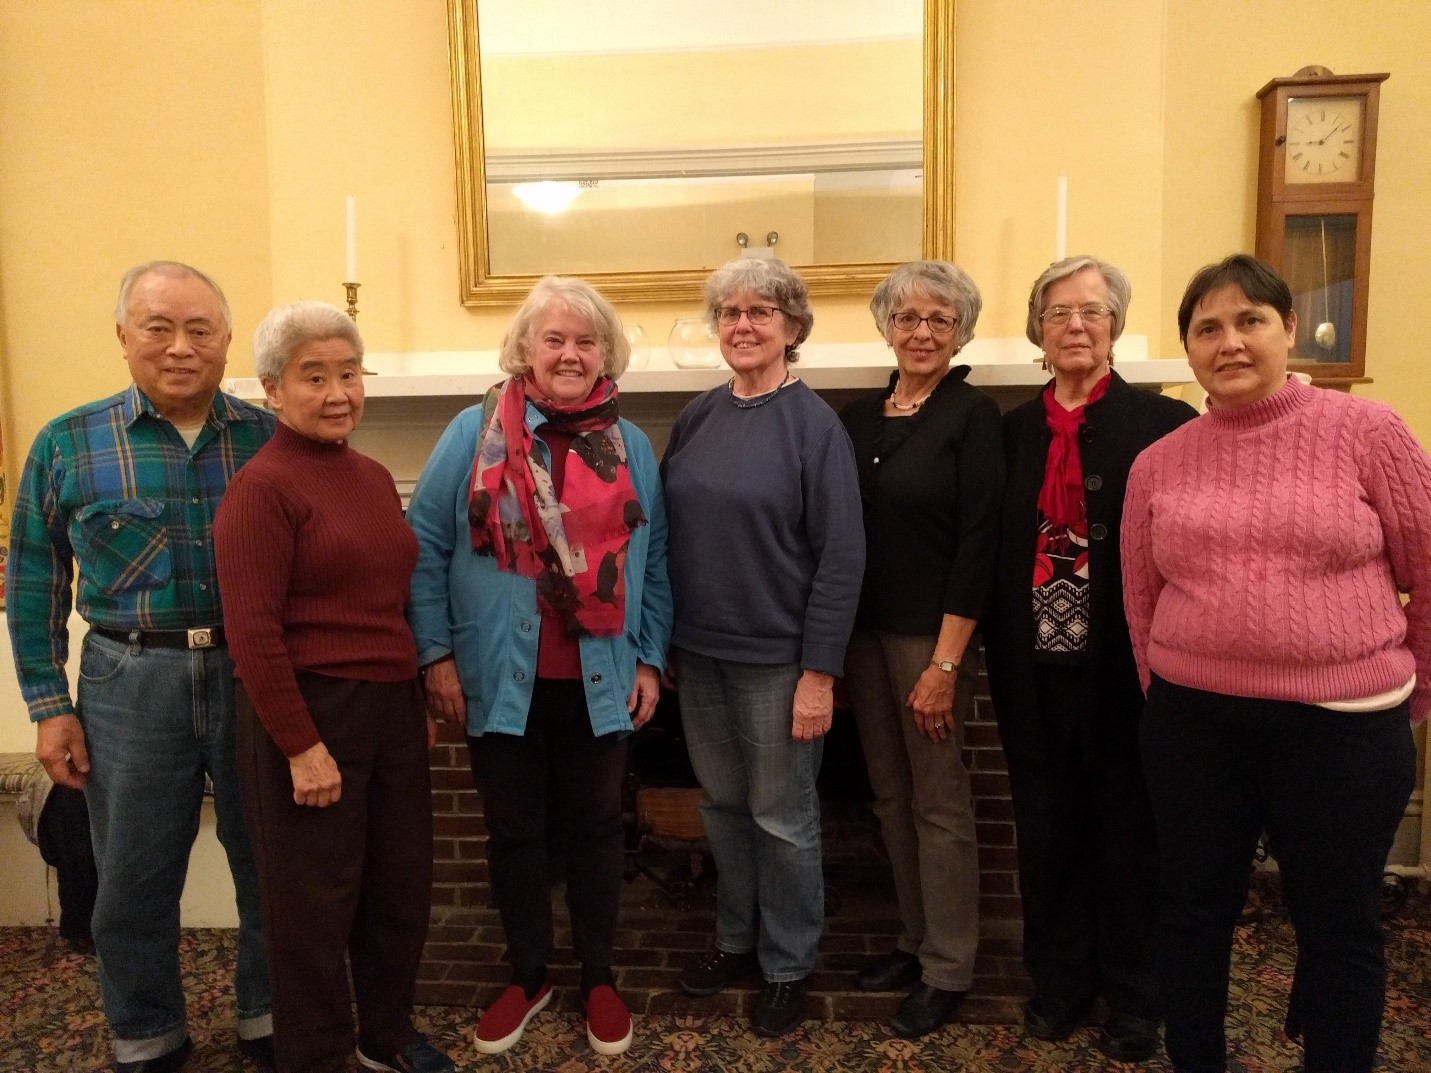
750, 402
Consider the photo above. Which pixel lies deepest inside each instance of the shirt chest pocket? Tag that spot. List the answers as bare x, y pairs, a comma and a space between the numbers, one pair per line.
123, 545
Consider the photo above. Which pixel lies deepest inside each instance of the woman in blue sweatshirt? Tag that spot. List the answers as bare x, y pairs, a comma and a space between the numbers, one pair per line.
766, 556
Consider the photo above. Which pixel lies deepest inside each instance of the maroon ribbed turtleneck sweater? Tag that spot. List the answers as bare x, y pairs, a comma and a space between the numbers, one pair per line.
314, 563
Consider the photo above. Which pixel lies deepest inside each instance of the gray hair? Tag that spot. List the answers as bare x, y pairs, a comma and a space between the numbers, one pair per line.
580, 298
768, 278
945, 283
175, 270
287, 328
1120, 292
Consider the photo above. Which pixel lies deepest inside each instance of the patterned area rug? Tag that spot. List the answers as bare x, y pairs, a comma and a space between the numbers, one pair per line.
50, 1020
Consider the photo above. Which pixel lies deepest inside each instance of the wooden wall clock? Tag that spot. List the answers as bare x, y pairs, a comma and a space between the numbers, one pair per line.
1316, 166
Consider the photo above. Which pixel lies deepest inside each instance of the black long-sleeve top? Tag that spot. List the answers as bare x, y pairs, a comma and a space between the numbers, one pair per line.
931, 486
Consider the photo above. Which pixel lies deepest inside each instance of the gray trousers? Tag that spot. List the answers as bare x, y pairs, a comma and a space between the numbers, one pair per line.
923, 803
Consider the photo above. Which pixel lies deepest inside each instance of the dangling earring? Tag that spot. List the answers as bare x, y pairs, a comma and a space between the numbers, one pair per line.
1110, 359
1043, 360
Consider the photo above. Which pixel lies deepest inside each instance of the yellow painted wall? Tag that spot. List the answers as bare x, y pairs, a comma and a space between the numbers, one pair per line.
127, 132
229, 131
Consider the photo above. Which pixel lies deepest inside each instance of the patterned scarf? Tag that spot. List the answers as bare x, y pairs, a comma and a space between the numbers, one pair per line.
1061, 499
575, 550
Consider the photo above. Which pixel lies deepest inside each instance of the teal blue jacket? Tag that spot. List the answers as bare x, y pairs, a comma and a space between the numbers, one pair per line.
463, 605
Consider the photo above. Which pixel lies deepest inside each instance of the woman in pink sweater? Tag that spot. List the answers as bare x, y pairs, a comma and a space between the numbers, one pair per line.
1265, 548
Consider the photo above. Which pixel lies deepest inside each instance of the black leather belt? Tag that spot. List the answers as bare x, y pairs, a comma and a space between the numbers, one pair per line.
199, 637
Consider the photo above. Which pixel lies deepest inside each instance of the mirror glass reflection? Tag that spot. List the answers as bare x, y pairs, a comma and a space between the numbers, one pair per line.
642, 135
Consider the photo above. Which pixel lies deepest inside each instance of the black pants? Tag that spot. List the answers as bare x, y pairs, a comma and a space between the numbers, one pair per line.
559, 767
353, 877
1330, 788
1087, 856
65, 846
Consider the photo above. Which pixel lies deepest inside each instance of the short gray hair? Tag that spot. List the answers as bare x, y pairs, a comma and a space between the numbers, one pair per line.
946, 283
173, 269
580, 298
287, 328
769, 278
1120, 293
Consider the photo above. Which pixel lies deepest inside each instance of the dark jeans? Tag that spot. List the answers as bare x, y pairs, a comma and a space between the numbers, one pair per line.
354, 877
1330, 788
1087, 856
558, 766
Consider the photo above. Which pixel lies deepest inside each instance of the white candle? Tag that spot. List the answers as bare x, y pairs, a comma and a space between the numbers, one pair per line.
1060, 227
352, 276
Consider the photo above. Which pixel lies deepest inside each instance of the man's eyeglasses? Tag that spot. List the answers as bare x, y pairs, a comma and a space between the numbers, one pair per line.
1091, 314
939, 324
729, 315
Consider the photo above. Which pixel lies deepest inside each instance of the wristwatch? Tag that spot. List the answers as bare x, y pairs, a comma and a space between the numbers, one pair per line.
948, 666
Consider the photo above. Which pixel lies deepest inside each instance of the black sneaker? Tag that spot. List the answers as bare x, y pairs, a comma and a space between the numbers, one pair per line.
1051, 1019
1128, 1039
780, 1008
715, 970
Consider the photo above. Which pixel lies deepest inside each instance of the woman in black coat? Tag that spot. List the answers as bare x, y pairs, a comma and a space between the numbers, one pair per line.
1061, 670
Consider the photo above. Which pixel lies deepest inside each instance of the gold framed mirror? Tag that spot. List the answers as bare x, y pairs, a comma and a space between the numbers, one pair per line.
478, 177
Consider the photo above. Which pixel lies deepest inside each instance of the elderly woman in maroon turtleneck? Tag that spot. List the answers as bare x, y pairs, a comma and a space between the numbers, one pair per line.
315, 562
1061, 670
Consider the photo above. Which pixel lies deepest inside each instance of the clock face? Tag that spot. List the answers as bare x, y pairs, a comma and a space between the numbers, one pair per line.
1324, 139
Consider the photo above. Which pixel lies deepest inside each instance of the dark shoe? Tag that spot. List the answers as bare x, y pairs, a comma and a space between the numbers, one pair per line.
165, 1063
1128, 1039
418, 1056
715, 970
925, 1010
779, 1009
259, 1051
893, 972
1051, 1019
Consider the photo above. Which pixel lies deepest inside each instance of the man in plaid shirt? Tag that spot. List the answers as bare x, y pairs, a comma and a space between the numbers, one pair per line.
125, 489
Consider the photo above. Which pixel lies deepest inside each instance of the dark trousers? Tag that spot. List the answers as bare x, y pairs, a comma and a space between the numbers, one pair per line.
1087, 856
353, 877
557, 771
66, 847
1330, 789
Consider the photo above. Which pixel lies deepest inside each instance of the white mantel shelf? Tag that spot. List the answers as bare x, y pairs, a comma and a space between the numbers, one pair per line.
996, 363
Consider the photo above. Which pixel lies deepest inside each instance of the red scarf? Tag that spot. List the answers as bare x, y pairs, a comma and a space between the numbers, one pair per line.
1061, 499
575, 550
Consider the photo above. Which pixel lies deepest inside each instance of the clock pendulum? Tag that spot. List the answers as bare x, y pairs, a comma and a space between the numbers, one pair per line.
1326, 333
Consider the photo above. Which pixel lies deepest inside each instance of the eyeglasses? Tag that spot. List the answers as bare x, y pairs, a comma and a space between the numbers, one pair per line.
939, 324
729, 315
1091, 314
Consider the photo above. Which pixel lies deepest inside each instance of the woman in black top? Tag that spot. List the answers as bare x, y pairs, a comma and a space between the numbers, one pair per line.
931, 473
1061, 671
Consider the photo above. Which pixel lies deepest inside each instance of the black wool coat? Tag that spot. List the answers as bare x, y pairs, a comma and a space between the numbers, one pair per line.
1117, 427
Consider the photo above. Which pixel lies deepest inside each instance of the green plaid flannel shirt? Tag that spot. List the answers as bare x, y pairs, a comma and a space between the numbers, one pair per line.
112, 487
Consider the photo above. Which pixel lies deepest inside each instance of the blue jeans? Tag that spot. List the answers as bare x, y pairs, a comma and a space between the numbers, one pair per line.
760, 810
156, 721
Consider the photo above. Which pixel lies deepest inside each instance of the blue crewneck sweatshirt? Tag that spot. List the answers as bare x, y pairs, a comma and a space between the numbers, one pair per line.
766, 549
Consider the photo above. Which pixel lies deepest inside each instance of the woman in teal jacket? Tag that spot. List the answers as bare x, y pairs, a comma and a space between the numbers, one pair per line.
542, 612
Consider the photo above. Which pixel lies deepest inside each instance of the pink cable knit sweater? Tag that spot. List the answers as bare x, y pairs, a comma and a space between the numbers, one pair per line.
1264, 547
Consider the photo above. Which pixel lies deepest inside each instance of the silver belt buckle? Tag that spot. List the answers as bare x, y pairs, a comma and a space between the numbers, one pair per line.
201, 637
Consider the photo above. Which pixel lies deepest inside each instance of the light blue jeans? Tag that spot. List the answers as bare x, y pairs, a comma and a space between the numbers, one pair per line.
760, 809
156, 721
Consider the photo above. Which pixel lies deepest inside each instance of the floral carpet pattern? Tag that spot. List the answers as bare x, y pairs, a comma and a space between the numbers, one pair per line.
51, 1020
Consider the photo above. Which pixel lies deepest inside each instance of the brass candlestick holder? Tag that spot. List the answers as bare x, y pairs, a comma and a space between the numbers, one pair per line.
352, 289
